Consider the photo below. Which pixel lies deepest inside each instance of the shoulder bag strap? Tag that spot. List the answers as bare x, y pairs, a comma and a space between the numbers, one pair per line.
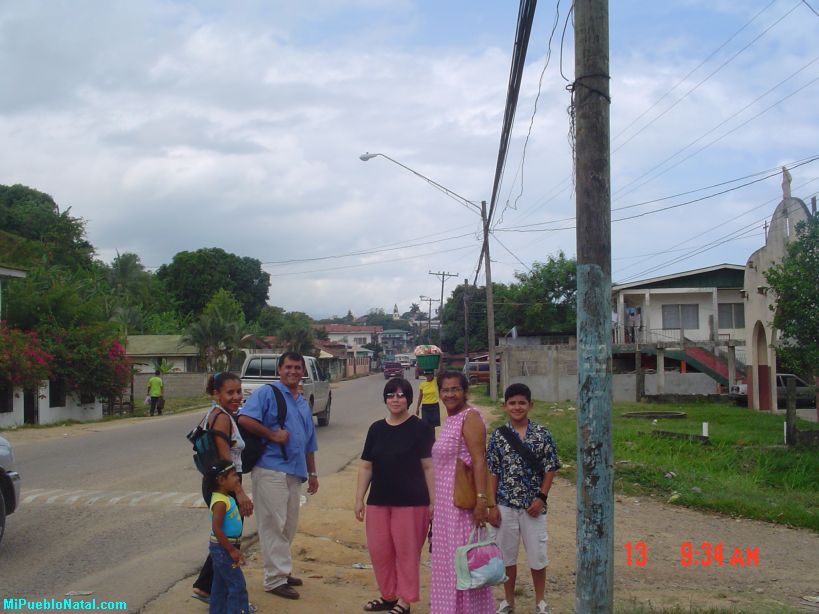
281, 413
517, 445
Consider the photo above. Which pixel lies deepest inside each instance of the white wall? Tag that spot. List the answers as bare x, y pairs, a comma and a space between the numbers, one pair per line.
71, 411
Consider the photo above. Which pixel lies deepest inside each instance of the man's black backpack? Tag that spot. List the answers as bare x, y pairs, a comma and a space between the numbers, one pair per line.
205, 453
255, 445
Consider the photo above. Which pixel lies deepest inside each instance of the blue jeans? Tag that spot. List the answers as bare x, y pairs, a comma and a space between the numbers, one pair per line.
228, 594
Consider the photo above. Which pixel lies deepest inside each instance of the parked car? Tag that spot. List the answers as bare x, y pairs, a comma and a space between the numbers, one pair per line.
393, 368
262, 369
478, 372
805, 393
404, 359
9, 484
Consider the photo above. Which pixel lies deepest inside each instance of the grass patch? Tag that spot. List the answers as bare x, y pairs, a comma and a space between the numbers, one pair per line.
746, 470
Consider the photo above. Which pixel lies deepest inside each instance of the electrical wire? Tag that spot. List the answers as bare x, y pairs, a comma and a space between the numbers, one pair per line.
531, 121
707, 77
364, 264
771, 172
623, 190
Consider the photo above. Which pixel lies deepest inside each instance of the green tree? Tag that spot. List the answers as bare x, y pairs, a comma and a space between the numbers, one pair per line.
192, 277
223, 305
796, 315
35, 216
270, 320
58, 296
546, 297
217, 333
297, 333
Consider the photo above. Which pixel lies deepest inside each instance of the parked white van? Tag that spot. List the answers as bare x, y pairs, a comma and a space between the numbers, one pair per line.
261, 369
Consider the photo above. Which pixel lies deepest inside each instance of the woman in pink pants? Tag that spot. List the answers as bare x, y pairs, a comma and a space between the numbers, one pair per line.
396, 467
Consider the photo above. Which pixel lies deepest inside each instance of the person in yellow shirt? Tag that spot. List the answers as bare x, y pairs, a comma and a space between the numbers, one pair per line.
428, 401
155, 389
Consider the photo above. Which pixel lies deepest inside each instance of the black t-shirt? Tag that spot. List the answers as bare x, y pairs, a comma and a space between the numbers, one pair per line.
396, 453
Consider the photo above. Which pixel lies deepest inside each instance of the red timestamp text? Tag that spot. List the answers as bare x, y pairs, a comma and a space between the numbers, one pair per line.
704, 554
707, 554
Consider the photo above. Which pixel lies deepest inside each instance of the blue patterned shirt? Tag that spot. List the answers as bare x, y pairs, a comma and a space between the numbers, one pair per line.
517, 482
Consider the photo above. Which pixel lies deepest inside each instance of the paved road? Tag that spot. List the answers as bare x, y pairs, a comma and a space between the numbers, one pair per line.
114, 509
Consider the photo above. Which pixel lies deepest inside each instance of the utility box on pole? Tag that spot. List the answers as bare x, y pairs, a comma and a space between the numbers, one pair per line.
595, 498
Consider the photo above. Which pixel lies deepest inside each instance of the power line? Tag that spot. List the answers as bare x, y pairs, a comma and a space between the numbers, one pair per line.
767, 203
622, 191
367, 252
711, 74
771, 172
363, 264
805, 2
531, 120
693, 70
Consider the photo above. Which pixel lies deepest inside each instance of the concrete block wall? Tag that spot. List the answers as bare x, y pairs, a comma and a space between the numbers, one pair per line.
177, 385
555, 387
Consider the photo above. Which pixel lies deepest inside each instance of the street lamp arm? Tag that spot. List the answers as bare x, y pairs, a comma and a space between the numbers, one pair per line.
454, 195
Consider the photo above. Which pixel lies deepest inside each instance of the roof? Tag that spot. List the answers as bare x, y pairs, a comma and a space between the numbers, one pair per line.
717, 276
158, 345
349, 328
8, 272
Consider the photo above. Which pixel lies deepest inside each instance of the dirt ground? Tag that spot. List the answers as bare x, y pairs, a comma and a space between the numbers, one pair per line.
330, 546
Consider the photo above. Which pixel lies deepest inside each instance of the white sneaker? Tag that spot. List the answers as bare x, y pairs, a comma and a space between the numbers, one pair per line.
504, 608
542, 608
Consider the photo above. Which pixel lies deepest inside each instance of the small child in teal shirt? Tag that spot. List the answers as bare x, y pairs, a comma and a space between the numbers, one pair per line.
228, 595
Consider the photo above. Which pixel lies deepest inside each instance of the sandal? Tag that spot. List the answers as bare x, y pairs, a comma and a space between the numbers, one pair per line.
380, 605
399, 609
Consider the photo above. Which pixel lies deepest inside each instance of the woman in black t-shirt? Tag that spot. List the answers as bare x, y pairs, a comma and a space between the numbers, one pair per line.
396, 467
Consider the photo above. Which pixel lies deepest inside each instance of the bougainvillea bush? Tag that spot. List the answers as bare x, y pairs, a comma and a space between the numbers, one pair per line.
24, 361
90, 360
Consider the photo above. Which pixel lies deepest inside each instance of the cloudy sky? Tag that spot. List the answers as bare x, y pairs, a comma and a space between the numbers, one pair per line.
173, 126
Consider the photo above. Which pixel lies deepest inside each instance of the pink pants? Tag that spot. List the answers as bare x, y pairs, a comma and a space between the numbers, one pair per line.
395, 536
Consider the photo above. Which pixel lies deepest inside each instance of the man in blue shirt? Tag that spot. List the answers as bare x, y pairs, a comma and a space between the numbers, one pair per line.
277, 479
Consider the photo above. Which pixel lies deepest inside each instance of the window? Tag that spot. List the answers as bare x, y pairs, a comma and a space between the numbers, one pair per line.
360, 340
731, 315
56, 393
686, 316
6, 397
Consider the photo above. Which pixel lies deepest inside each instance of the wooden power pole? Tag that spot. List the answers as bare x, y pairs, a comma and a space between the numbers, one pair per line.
595, 500
444, 276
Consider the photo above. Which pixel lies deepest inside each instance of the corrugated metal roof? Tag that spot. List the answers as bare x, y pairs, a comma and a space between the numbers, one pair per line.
158, 345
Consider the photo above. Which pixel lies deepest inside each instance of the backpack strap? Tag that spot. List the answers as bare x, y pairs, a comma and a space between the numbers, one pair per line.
205, 424
517, 445
281, 413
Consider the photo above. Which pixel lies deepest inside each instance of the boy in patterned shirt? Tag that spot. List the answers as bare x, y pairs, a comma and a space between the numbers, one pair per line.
522, 461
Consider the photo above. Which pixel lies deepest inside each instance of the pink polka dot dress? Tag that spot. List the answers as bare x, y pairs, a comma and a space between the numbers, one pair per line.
451, 527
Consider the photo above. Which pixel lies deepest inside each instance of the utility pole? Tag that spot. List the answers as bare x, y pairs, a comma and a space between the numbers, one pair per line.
443, 277
490, 308
595, 501
466, 322
429, 320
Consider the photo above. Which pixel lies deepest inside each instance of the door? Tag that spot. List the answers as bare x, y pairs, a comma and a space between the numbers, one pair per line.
31, 413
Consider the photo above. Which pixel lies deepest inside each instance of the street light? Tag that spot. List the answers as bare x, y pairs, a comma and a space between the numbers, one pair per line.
490, 305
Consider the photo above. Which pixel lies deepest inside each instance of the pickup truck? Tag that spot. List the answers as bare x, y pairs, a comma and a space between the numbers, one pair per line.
805, 393
261, 369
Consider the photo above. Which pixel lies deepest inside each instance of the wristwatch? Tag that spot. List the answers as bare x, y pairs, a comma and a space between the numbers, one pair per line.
542, 497
312, 474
